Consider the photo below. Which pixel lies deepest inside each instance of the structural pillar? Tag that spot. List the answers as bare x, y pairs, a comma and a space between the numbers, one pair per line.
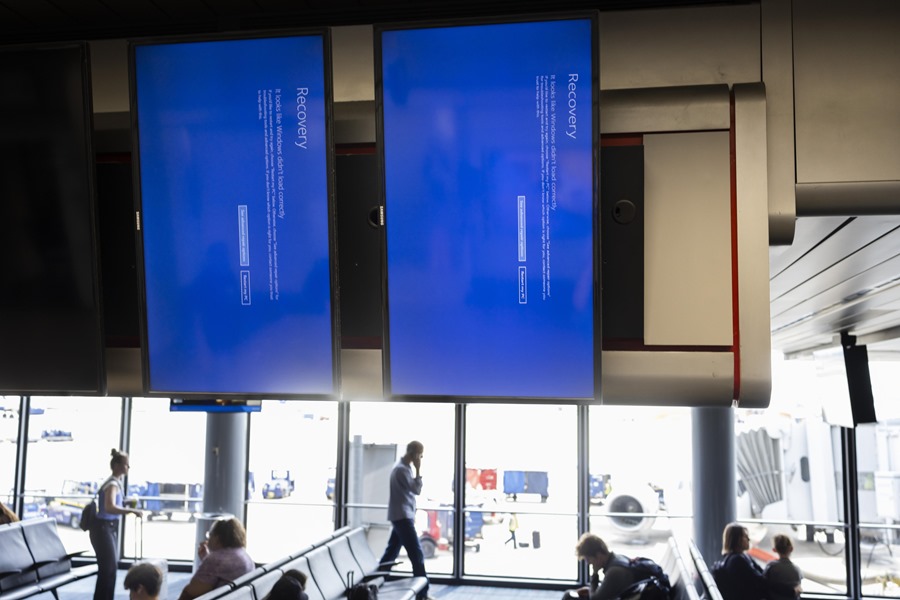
715, 484
225, 477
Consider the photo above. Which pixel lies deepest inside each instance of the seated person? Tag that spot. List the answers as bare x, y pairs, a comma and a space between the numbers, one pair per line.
223, 557
143, 582
617, 574
7, 516
783, 569
288, 588
298, 575
737, 575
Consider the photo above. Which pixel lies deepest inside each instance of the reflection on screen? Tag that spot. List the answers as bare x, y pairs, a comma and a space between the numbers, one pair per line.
488, 169
51, 334
235, 216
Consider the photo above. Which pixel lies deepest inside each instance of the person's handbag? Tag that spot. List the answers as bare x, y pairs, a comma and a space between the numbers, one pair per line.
88, 514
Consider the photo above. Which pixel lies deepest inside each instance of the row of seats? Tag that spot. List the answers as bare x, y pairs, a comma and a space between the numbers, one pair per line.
331, 565
33, 560
706, 582
681, 577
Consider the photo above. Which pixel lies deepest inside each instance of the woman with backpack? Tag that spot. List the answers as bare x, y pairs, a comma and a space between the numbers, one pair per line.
737, 575
104, 530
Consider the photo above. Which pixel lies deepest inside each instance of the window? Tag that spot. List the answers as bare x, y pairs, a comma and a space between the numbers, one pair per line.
9, 439
167, 463
878, 481
640, 497
379, 433
790, 474
69, 443
521, 491
293, 452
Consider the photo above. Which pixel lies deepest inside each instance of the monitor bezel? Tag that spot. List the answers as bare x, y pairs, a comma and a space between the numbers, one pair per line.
325, 34
590, 15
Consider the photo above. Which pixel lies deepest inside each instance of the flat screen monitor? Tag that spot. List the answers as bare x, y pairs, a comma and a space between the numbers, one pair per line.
51, 334
844, 386
490, 170
220, 405
235, 210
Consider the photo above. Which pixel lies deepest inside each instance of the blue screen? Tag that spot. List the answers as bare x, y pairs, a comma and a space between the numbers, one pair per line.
489, 196
235, 213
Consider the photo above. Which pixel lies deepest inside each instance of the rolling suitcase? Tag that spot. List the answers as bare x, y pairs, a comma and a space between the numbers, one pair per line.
161, 563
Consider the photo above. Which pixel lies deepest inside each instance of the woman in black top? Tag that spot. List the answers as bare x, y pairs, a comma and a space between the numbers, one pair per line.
737, 575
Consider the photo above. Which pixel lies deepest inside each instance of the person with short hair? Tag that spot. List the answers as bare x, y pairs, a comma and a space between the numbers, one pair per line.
287, 588
783, 569
223, 558
405, 485
298, 575
143, 582
617, 572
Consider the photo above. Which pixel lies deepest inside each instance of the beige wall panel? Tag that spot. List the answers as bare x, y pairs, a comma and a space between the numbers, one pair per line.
679, 46
687, 239
668, 378
778, 76
109, 76
353, 57
847, 90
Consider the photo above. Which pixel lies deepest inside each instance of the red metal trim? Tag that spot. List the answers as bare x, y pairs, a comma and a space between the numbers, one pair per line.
347, 149
361, 343
626, 345
113, 158
735, 300
622, 139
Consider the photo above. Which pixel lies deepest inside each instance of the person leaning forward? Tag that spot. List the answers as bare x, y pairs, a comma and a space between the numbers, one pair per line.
617, 574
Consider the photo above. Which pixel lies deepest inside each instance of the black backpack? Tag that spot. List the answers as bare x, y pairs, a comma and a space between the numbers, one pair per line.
651, 582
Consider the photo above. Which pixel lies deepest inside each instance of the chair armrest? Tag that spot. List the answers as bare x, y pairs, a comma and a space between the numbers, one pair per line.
10, 572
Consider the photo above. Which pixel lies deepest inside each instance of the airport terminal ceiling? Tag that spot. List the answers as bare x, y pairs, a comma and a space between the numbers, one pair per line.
839, 274
46, 20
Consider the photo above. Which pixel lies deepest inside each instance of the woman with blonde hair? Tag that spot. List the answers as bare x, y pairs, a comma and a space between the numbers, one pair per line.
104, 530
738, 576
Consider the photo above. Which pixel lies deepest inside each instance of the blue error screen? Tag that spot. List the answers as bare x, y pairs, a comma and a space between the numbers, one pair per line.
235, 213
489, 196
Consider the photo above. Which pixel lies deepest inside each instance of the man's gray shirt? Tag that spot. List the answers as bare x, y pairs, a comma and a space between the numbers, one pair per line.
404, 489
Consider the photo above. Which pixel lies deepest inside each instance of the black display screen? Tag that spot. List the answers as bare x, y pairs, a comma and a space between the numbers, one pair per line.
51, 338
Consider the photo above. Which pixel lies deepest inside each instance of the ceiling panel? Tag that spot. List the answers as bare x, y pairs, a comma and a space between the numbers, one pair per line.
862, 243
129, 10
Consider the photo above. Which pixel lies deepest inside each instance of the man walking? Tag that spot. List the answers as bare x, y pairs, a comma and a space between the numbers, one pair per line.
406, 484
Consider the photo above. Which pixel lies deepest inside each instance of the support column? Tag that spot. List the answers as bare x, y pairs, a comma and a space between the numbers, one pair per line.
715, 485
225, 478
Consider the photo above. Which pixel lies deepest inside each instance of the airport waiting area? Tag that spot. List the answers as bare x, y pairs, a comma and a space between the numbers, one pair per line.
450, 299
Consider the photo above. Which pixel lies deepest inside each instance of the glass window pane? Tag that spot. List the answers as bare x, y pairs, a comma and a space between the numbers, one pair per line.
880, 553
878, 473
640, 497
379, 433
790, 473
69, 443
9, 440
167, 462
521, 478
293, 453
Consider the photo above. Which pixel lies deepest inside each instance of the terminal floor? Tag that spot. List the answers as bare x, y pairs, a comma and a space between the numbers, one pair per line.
84, 590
